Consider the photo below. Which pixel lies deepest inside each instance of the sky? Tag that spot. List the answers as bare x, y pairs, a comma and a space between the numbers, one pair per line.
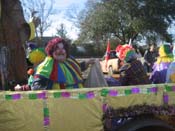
62, 6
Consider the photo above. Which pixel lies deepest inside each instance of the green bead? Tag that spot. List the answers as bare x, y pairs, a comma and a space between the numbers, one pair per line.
128, 92
33, 96
104, 92
46, 112
57, 94
82, 96
8, 97
168, 88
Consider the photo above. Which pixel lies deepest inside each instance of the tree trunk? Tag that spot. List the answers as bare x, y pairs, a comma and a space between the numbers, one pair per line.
12, 39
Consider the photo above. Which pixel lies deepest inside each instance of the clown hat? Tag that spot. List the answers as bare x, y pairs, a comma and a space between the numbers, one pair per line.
165, 54
165, 50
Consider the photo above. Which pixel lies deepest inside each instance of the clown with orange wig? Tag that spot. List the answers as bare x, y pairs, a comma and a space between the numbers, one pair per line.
132, 71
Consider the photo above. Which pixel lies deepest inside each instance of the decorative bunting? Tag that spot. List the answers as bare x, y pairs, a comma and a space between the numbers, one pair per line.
90, 94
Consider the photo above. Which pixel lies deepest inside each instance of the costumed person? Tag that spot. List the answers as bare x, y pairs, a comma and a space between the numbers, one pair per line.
150, 56
160, 67
59, 70
170, 76
30, 46
35, 57
132, 71
14, 32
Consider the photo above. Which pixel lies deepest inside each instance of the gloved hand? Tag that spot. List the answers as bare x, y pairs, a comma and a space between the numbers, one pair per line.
22, 87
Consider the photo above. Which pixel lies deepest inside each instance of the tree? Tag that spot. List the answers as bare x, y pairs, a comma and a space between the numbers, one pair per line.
14, 31
61, 31
43, 9
128, 19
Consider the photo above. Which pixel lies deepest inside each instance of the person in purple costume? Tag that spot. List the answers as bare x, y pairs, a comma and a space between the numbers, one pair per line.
160, 67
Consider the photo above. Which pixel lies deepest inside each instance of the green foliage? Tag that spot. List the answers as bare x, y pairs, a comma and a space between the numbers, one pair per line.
127, 19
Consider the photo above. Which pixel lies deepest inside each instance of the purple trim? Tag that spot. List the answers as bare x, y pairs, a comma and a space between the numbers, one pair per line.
104, 107
113, 93
173, 88
153, 89
41, 95
90, 95
16, 96
46, 121
135, 90
165, 98
65, 94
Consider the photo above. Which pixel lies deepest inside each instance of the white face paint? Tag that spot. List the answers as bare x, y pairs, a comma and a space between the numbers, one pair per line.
60, 53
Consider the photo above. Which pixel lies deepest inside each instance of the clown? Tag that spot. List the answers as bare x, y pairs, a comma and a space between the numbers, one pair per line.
160, 67
59, 70
36, 56
132, 71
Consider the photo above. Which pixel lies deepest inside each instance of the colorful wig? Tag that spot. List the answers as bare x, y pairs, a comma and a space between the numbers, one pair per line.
52, 46
165, 54
126, 52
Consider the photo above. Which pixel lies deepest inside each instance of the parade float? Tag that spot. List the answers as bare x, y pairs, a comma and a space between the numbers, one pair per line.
114, 108
89, 109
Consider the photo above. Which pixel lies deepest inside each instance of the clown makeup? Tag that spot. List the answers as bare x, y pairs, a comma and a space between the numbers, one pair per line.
59, 53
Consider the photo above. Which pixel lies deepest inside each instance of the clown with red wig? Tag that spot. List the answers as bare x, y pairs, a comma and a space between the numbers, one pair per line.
132, 71
59, 70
